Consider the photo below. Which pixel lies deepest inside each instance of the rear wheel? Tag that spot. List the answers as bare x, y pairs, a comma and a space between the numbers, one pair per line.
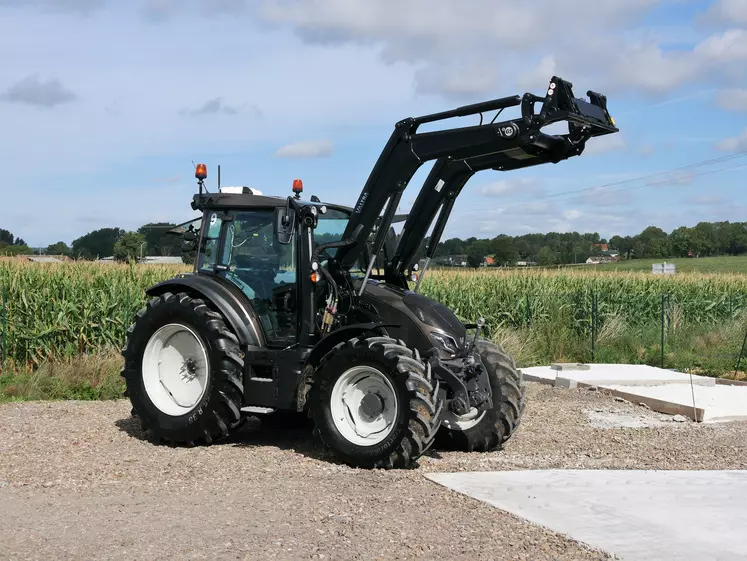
182, 370
488, 430
374, 403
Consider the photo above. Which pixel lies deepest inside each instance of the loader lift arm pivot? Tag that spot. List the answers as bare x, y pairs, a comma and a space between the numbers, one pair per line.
508, 145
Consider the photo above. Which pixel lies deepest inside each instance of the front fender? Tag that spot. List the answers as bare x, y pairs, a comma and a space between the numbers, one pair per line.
323, 347
228, 300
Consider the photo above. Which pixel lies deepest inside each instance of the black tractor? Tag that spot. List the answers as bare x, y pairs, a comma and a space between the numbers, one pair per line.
304, 307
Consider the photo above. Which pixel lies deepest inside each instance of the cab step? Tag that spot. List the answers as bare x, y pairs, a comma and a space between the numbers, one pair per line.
257, 410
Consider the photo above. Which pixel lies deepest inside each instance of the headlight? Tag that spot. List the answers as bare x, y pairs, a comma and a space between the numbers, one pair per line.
447, 342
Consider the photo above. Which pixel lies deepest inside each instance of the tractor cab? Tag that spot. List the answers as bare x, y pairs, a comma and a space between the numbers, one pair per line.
256, 244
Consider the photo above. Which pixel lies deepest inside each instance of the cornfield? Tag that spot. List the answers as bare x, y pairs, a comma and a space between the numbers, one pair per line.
50, 312
53, 311
518, 299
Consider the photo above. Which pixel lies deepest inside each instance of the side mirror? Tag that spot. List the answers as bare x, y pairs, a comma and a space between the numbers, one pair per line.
285, 220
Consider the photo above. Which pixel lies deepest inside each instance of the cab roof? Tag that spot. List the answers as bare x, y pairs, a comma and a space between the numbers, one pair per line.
229, 201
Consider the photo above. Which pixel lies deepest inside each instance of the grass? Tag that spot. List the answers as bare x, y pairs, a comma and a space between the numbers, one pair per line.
726, 264
62, 325
87, 377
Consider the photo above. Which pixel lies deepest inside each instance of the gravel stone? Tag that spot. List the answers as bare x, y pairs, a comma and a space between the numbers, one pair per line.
271, 494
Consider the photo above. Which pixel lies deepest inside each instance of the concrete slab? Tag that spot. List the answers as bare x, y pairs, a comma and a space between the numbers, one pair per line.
665, 391
635, 515
719, 403
619, 374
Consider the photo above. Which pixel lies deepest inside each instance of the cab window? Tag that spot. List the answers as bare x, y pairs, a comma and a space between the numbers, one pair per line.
264, 270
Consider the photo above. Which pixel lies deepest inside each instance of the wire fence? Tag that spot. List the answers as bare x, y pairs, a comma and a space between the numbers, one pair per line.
681, 331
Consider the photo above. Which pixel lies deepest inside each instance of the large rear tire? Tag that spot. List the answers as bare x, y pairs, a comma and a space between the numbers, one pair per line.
488, 430
183, 371
374, 403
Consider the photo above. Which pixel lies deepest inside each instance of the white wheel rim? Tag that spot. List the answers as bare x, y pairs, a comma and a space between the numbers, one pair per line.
175, 369
365, 423
452, 421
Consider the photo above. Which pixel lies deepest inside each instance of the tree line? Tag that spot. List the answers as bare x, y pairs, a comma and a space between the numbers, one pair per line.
553, 248
704, 239
149, 239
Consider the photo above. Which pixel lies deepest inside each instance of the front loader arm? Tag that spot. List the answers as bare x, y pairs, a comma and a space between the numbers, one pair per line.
440, 190
507, 145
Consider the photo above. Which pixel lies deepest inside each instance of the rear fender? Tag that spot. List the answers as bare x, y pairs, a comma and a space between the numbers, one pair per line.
229, 301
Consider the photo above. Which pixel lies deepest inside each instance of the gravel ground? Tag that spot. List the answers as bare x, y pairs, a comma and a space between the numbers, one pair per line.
78, 481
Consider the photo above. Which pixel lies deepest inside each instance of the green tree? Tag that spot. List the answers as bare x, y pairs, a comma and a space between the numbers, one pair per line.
655, 242
130, 246
546, 256
681, 241
476, 252
504, 250
59, 248
97, 244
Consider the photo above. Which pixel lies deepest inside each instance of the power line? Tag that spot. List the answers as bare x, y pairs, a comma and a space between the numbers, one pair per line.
607, 191
671, 181
655, 174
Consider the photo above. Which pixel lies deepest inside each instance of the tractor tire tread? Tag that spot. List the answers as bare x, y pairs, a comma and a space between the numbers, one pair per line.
424, 408
217, 417
500, 424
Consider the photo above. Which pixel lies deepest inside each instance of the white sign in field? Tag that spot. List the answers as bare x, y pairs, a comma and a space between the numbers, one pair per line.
663, 268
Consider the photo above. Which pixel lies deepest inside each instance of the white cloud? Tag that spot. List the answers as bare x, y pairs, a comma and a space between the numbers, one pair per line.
33, 91
457, 79
605, 197
706, 200
734, 99
734, 144
537, 208
646, 150
522, 185
84, 7
160, 10
306, 149
728, 46
604, 47
732, 11
572, 214
604, 144
216, 106
538, 76
649, 68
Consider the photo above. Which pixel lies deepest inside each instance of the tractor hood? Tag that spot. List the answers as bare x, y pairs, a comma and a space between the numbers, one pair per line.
425, 322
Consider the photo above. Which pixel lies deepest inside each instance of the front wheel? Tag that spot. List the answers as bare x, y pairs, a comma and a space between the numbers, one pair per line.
489, 429
374, 403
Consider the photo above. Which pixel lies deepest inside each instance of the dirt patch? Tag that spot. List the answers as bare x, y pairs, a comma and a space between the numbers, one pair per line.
79, 480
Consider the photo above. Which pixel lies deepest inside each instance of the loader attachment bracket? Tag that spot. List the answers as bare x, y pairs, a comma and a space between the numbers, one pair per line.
559, 104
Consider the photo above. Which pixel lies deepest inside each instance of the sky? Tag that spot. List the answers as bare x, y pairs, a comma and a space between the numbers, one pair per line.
105, 106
